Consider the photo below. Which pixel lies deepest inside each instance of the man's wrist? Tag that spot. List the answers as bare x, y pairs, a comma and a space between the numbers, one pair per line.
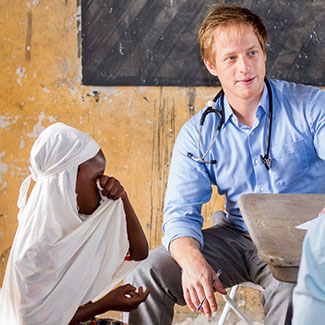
184, 249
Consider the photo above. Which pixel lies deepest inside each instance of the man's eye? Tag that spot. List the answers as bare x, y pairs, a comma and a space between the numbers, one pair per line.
231, 58
252, 52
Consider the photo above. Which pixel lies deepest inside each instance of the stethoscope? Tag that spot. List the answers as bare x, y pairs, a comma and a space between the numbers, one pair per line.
266, 159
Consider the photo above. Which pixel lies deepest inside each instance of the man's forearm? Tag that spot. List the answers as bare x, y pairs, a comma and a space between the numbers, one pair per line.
184, 250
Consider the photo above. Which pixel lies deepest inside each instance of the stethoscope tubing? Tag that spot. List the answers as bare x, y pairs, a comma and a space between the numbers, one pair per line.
266, 159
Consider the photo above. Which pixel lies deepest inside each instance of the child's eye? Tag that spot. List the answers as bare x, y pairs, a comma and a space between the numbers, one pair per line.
252, 52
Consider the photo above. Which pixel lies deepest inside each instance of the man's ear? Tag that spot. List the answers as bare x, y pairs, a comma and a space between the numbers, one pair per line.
211, 68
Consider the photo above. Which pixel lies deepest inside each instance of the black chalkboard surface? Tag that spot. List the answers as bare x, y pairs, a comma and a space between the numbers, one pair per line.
154, 42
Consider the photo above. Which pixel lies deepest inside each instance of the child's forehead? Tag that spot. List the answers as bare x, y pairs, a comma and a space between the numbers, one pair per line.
98, 162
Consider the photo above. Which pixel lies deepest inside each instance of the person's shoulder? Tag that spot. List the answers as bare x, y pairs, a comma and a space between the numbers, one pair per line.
292, 89
315, 234
194, 121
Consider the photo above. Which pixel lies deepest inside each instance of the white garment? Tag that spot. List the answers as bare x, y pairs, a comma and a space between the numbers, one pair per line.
57, 261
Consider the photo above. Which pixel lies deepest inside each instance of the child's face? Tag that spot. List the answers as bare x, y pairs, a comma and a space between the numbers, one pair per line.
87, 192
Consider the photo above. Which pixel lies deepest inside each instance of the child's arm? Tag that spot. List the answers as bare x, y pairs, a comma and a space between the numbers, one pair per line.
136, 236
137, 239
123, 298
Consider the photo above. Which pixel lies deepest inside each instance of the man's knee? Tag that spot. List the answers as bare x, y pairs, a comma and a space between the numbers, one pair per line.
159, 267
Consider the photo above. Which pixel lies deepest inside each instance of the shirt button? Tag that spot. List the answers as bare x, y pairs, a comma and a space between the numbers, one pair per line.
261, 189
257, 161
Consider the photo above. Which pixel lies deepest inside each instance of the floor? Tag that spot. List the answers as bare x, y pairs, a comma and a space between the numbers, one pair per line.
246, 298
201, 320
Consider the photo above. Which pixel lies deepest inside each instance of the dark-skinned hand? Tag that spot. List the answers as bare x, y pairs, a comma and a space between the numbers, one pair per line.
124, 298
112, 188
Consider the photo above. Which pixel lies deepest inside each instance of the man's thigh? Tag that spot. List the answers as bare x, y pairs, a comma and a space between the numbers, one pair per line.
230, 250
225, 248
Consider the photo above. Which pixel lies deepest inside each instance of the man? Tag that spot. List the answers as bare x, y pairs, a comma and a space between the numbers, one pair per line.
309, 294
244, 158
74, 233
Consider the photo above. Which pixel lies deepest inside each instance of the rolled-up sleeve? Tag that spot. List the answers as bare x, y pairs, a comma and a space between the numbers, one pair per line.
189, 186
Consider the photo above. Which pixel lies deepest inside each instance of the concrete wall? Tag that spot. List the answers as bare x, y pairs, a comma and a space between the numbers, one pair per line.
40, 83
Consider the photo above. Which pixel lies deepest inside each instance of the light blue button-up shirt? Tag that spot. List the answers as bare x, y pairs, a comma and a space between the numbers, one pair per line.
309, 294
297, 149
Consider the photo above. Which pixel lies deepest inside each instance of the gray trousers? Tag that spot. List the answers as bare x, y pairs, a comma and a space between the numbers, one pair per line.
225, 248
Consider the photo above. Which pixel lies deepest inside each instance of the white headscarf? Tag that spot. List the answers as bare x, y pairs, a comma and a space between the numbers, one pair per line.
57, 261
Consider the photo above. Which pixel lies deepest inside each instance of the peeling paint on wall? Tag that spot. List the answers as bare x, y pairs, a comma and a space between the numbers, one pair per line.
73, 90
8, 120
20, 72
46, 90
3, 167
4, 122
107, 91
38, 127
4, 185
22, 143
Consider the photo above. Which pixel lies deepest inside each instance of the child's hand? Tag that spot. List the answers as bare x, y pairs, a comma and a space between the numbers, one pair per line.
112, 188
124, 298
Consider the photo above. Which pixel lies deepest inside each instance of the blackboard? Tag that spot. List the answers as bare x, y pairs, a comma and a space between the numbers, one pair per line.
154, 42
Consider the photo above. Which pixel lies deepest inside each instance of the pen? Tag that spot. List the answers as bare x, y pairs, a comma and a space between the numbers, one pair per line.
218, 274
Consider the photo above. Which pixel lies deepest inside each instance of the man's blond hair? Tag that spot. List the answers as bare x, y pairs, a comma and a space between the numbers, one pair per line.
226, 16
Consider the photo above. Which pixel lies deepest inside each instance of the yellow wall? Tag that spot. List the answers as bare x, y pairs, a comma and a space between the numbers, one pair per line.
40, 83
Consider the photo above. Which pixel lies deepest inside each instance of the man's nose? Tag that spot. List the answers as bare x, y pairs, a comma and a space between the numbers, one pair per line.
243, 64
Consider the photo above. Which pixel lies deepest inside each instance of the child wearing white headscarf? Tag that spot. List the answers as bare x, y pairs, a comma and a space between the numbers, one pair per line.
60, 260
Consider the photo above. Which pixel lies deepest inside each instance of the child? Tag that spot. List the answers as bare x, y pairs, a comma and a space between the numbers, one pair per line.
72, 238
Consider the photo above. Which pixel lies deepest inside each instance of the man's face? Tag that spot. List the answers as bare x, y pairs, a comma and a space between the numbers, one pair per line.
86, 188
239, 62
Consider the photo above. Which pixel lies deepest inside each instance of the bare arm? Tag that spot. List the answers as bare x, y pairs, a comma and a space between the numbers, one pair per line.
123, 298
137, 239
197, 275
138, 242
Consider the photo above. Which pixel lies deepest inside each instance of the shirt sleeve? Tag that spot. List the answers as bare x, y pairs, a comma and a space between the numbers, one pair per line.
309, 294
189, 186
317, 120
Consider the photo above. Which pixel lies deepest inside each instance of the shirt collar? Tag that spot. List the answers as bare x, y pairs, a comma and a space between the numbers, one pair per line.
264, 101
264, 104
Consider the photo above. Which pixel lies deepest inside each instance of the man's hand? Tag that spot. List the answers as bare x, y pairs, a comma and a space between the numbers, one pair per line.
112, 188
124, 298
197, 276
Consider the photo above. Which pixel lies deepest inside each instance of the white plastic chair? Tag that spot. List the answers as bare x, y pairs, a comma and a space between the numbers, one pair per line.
230, 303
